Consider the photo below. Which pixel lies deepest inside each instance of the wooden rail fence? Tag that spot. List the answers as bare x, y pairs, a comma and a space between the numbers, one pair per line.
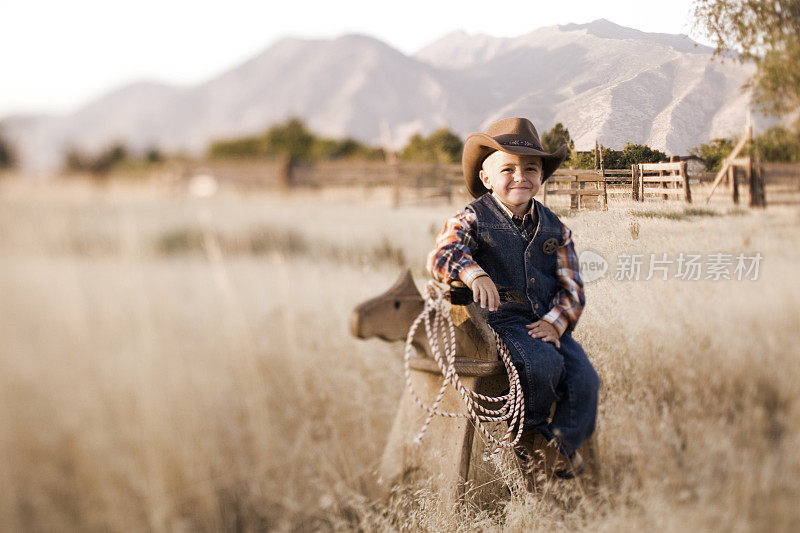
580, 185
665, 180
733, 166
412, 182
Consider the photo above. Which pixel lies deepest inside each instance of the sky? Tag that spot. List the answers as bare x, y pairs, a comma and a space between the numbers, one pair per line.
56, 55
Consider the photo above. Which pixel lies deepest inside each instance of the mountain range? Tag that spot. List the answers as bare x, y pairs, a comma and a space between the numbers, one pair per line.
601, 80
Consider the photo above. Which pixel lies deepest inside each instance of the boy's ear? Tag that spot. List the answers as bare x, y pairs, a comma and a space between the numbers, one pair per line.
484, 179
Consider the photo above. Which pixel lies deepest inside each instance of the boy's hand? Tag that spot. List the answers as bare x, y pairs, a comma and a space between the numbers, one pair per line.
545, 331
485, 291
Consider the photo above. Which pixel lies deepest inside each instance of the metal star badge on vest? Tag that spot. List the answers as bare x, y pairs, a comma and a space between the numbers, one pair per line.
550, 246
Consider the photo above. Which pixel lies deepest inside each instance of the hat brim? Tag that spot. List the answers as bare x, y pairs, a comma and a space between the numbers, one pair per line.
479, 146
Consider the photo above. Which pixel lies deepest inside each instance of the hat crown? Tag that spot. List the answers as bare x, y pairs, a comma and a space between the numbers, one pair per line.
515, 132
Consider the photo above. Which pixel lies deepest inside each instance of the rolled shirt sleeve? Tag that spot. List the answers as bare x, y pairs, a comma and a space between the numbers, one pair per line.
451, 259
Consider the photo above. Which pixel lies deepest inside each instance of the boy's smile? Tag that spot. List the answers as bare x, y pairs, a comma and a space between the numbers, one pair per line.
514, 179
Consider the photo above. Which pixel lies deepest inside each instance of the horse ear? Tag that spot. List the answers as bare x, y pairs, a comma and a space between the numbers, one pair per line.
404, 286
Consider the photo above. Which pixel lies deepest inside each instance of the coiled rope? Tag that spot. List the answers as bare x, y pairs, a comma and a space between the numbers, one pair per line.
441, 328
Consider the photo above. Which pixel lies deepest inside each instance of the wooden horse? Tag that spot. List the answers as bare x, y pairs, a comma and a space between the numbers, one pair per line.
452, 450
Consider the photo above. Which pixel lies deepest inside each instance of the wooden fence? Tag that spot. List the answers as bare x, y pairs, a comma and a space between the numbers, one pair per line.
581, 185
781, 182
782, 174
665, 180
420, 181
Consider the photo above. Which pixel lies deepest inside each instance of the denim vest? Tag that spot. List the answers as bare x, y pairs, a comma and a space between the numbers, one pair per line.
524, 272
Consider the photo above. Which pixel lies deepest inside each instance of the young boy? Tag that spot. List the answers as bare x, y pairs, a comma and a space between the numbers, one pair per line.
519, 261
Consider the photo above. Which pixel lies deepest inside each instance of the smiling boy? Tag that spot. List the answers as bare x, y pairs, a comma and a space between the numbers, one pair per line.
519, 260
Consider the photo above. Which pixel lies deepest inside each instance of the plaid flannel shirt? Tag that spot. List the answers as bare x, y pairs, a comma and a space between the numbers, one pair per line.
452, 260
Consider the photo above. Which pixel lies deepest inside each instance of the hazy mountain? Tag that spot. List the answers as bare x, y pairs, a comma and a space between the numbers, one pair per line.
599, 79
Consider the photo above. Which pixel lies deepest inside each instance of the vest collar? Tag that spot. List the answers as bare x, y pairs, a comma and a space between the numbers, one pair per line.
508, 211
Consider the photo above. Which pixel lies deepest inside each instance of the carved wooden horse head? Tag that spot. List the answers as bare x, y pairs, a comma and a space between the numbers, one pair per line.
390, 315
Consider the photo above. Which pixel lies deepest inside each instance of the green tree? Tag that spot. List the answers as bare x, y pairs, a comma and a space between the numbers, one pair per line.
611, 158
103, 163
580, 159
347, 148
446, 145
713, 152
291, 139
154, 155
236, 148
558, 135
112, 157
7, 157
416, 149
778, 144
766, 32
633, 154
441, 146
74, 161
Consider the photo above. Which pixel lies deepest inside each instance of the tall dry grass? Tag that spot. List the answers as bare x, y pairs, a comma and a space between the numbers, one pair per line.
169, 363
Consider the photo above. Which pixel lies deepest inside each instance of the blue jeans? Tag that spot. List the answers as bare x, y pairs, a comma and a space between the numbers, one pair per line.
564, 376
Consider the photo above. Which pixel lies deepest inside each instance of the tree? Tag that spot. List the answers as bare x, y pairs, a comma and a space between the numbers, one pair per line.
74, 161
446, 145
154, 155
553, 139
713, 152
778, 144
100, 165
235, 148
113, 156
766, 32
441, 146
581, 159
7, 158
611, 158
634, 154
347, 148
291, 139
631, 154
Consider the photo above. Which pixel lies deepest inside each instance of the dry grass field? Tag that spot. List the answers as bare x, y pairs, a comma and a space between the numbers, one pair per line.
170, 363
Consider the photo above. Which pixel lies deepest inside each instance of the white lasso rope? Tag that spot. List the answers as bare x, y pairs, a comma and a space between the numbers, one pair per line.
513, 408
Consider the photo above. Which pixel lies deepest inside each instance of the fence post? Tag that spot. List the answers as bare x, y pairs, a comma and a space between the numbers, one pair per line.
605, 191
574, 199
395, 165
285, 170
634, 182
757, 196
598, 155
687, 191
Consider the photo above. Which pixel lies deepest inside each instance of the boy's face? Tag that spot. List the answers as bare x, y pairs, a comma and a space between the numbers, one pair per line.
514, 179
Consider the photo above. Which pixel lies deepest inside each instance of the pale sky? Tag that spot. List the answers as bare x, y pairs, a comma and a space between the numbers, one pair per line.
56, 55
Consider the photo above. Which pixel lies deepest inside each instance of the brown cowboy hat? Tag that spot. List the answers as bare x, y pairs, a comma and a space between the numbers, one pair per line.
511, 135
